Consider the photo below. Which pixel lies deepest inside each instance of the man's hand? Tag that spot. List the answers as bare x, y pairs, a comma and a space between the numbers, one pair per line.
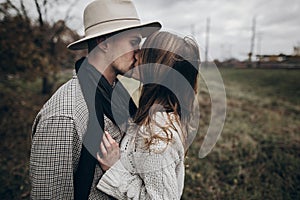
110, 152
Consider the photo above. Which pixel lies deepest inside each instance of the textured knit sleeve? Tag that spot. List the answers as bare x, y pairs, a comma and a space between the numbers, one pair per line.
52, 159
158, 174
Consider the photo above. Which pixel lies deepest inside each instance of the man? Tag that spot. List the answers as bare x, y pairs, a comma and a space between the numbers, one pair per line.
68, 129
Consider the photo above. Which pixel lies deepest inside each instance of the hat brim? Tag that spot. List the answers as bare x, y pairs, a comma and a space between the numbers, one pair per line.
145, 28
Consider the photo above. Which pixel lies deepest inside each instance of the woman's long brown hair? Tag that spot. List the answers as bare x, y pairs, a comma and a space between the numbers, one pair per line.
163, 52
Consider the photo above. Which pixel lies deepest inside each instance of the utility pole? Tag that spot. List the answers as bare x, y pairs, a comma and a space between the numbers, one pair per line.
259, 38
252, 41
207, 40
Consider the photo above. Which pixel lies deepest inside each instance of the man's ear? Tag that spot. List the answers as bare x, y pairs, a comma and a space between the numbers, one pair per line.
102, 44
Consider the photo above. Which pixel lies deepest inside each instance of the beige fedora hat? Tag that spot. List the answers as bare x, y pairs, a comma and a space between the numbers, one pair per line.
103, 17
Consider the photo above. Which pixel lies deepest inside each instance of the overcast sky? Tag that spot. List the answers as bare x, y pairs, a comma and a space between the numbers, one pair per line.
277, 23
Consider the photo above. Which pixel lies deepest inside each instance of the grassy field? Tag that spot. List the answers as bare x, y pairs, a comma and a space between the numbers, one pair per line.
256, 157
258, 154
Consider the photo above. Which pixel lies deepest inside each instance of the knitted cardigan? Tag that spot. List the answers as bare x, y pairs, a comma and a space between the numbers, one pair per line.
156, 172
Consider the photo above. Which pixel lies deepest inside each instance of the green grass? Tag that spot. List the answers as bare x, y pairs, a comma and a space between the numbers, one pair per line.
256, 157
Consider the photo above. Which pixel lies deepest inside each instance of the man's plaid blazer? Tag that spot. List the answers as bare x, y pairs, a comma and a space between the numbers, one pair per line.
57, 135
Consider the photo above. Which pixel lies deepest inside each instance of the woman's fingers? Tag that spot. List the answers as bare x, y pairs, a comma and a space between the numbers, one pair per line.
110, 152
99, 158
103, 149
106, 142
109, 138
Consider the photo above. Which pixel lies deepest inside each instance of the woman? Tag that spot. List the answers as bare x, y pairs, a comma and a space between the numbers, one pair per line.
151, 162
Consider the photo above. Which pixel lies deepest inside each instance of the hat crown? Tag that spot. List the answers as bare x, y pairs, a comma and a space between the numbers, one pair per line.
103, 17
103, 11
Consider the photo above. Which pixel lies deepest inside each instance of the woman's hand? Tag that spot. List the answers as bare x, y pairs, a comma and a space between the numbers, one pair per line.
110, 152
